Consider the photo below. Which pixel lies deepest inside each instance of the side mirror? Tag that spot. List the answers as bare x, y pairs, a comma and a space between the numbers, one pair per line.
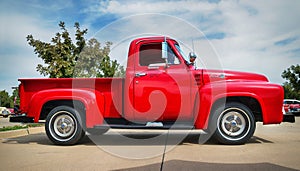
192, 55
164, 50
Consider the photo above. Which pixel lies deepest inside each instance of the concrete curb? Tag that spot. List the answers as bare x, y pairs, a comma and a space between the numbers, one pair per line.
21, 132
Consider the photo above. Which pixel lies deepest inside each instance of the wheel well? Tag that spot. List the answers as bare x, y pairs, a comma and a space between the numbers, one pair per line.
250, 102
47, 107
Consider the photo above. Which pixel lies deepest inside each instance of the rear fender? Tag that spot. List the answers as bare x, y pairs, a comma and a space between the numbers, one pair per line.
93, 102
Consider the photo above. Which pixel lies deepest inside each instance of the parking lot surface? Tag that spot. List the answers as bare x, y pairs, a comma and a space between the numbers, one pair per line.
273, 147
4, 122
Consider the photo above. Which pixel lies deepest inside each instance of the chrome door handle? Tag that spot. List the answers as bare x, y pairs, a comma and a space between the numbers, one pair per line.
141, 74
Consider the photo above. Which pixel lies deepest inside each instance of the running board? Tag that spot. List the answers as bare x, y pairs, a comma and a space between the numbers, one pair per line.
148, 125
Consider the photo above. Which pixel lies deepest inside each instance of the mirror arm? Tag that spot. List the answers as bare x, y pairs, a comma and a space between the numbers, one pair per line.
164, 49
166, 66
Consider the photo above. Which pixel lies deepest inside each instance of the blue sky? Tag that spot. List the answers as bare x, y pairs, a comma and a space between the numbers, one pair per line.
255, 36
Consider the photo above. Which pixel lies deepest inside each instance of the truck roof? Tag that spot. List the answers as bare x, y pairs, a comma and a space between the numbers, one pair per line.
160, 38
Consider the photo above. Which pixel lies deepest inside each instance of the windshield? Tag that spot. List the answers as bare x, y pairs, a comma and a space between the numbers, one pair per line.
181, 52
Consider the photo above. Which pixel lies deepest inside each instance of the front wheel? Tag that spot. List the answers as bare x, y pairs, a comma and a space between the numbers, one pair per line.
64, 126
234, 124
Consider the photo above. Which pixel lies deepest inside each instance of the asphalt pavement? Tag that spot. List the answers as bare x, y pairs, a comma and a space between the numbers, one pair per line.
4, 122
273, 147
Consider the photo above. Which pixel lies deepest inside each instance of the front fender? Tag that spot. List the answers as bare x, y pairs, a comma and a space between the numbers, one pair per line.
269, 96
92, 100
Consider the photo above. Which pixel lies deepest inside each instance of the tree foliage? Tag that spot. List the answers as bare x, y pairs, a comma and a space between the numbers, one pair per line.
9, 101
89, 60
5, 100
94, 61
65, 59
292, 85
110, 68
61, 54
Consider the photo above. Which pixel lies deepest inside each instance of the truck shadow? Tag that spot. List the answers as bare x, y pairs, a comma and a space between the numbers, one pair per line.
152, 139
203, 166
127, 139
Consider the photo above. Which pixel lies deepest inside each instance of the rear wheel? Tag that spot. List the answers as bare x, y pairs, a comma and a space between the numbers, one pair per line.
64, 126
234, 124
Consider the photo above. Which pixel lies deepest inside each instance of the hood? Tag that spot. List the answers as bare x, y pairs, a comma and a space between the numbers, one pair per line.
221, 75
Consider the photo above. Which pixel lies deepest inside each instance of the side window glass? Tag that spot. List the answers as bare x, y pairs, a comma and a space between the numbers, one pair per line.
172, 58
150, 54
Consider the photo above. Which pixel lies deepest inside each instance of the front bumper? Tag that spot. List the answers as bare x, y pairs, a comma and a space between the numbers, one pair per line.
21, 118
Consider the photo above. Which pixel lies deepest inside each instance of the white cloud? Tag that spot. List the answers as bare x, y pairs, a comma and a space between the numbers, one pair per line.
128, 7
126, 29
251, 29
17, 57
251, 44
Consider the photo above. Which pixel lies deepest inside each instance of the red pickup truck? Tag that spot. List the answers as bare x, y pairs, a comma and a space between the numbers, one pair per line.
160, 91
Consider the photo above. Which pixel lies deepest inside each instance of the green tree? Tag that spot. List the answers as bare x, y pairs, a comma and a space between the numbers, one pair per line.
61, 54
94, 61
292, 85
110, 68
64, 59
89, 60
5, 100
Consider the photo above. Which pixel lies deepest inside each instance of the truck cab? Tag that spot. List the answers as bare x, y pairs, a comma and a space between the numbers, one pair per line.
161, 87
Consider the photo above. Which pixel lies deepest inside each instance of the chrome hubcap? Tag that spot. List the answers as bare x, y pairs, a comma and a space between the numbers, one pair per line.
232, 124
64, 125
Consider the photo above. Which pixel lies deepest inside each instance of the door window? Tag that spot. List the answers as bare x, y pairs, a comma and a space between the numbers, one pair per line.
151, 54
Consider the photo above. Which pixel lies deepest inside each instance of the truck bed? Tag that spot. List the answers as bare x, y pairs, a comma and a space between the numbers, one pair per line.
29, 87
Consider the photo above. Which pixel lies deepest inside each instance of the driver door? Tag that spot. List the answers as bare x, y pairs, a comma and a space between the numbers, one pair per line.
161, 93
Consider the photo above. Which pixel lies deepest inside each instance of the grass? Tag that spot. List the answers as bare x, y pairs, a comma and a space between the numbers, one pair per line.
16, 127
